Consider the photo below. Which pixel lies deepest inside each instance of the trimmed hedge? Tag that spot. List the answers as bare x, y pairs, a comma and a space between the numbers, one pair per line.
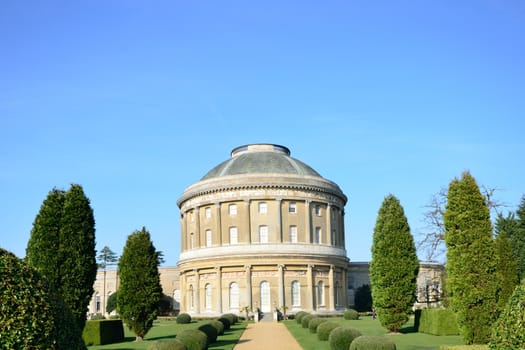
507, 332
183, 318
341, 337
230, 317
168, 344
300, 315
372, 342
324, 329
351, 314
31, 315
210, 330
193, 339
219, 326
436, 322
100, 332
314, 323
226, 323
305, 320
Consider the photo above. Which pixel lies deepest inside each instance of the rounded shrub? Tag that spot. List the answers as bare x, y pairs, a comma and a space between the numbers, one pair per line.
211, 332
324, 329
305, 320
226, 323
300, 315
168, 344
193, 339
507, 331
183, 318
372, 342
351, 314
230, 317
314, 323
219, 326
31, 316
341, 337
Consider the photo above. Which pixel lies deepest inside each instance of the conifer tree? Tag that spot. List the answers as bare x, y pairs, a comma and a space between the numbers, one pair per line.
471, 284
518, 239
43, 245
506, 269
77, 253
62, 248
394, 266
140, 290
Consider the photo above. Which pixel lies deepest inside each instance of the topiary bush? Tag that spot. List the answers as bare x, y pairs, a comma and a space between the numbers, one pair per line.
100, 332
325, 328
437, 322
168, 344
305, 320
351, 314
372, 342
314, 323
183, 318
299, 316
231, 317
193, 339
219, 326
341, 337
31, 315
507, 331
211, 332
225, 322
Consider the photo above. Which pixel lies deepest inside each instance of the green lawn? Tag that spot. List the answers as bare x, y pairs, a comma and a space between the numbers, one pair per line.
408, 340
168, 329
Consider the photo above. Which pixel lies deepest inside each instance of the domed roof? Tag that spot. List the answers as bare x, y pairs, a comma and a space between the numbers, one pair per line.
260, 159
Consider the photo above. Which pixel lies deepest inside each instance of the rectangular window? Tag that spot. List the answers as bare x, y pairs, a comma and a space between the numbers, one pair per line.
232, 209
263, 234
263, 208
292, 208
192, 240
318, 210
208, 238
233, 235
207, 213
317, 238
293, 234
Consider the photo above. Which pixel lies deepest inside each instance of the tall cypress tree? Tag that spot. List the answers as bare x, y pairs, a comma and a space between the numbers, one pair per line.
394, 266
41, 251
77, 253
471, 284
506, 269
140, 290
62, 248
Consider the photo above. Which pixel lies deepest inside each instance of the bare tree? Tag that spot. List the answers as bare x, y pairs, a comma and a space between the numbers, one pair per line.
432, 237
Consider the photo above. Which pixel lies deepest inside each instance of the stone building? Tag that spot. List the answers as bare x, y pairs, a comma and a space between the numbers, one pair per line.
260, 230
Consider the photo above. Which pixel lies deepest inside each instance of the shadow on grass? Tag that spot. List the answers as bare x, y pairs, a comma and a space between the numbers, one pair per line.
408, 329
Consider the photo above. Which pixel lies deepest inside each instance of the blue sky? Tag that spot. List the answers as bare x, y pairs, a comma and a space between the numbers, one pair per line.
137, 100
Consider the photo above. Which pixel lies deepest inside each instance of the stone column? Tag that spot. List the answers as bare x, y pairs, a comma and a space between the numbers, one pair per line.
280, 268
219, 288
331, 289
183, 291
310, 287
197, 292
218, 227
329, 237
344, 287
308, 219
183, 232
248, 221
279, 221
248, 270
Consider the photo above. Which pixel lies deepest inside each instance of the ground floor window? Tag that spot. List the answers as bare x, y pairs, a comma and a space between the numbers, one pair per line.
296, 293
234, 295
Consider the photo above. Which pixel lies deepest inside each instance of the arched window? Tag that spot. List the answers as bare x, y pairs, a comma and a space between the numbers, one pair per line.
176, 299
320, 293
317, 237
296, 293
337, 291
207, 300
97, 303
265, 297
234, 295
192, 297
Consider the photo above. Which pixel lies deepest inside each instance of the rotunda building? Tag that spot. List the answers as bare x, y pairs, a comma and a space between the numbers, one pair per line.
262, 230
